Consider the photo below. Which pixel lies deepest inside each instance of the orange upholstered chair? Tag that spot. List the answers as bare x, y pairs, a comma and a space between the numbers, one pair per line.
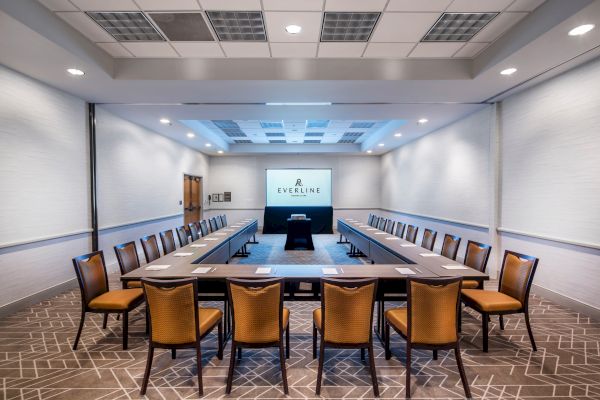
411, 233
128, 259
168, 242
450, 246
150, 247
428, 241
476, 256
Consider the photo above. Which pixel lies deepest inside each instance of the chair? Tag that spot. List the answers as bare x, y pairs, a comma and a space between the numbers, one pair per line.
375, 221
476, 256
411, 233
370, 219
203, 228
219, 222
512, 296
389, 227
224, 220
213, 224
400, 227
95, 296
193, 232
168, 241
182, 236
176, 321
198, 228
450, 246
259, 320
428, 240
345, 321
381, 224
150, 247
429, 322
128, 259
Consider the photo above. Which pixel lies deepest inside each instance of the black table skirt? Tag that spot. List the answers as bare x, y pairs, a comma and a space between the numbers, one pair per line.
275, 219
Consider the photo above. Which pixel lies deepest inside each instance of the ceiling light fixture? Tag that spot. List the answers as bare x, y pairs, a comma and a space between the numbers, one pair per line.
423, 121
293, 29
508, 71
397, 134
165, 121
581, 30
381, 144
208, 145
369, 151
220, 151
75, 72
190, 135
322, 103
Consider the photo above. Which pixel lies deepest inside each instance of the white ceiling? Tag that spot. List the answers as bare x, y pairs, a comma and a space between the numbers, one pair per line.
397, 33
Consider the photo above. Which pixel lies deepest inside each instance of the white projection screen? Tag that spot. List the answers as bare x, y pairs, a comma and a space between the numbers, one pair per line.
298, 187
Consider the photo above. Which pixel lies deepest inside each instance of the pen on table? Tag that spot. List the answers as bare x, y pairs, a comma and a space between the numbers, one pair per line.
342, 269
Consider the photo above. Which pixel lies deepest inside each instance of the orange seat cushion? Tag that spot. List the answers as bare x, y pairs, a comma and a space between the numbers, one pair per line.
116, 299
317, 318
134, 284
398, 317
491, 301
208, 318
468, 284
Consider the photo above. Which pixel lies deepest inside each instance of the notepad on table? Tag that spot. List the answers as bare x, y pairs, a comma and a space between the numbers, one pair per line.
182, 254
220, 234
235, 226
429, 255
263, 270
371, 229
405, 271
392, 238
380, 233
408, 245
329, 271
364, 226
198, 245
201, 270
156, 267
227, 230
455, 266
211, 238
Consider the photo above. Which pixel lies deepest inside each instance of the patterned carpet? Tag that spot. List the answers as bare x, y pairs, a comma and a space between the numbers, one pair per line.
36, 361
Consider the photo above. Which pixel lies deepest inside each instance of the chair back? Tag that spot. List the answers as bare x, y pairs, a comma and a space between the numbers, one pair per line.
219, 222
172, 310
389, 227
450, 246
257, 309
375, 221
381, 224
370, 219
224, 220
213, 224
477, 255
411, 233
182, 236
168, 241
193, 232
150, 247
400, 227
347, 310
428, 239
516, 276
91, 275
433, 310
127, 256
203, 228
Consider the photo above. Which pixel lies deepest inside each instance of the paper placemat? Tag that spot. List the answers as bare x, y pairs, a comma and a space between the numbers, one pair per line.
263, 270
182, 254
235, 226
156, 267
381, 233
220, 233
392, 238
405, 271
211, 238
227, 230
198, 245
429, 255
456, 266
371, 229
201, 270
364, 226
408, 245
329, 271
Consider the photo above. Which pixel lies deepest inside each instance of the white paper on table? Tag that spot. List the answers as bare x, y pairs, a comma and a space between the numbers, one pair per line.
263, 270
372, 229
211, 238
220, 233
156, 267
380, 233
349, 219
182, 254
408, 245
227, 230
198, 245
329, 271
455, 266
364, 226
405, 271
235, 226
392, 238
429, 255
201, 270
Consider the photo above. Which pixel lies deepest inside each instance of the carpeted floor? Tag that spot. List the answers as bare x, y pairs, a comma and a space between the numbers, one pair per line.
36, 360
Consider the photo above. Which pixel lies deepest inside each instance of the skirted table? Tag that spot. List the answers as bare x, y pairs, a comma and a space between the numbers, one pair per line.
275, 220
299, 234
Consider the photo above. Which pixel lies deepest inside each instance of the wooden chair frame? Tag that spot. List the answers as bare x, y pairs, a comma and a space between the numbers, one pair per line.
164, 236
213, 224
455, 239
402, 227
416, 232
145, 241
389, 226
120, 260
182, 235
203, 228
193, 232
433, 238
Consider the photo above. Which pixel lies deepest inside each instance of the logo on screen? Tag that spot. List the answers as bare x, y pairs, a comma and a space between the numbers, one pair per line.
299, 190
298, 182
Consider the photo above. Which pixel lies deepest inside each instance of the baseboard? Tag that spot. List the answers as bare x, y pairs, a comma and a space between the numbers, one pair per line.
566, 301
36, 298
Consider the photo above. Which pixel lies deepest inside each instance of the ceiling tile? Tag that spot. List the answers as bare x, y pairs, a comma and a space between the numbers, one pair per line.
417, 6
198, 49
245, 50
354, 5
471, 49
478, 5
86, 26
388, 50
294, 50
498, 26
59, 5
235, 5
403, 27
277, 21
115, 49
150, 49
435, 50
293, 5
171, 5
525, 5
105, 5
341, 50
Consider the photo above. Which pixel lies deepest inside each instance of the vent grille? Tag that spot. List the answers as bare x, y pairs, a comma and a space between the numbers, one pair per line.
314, 134
127, 26
312, 141
225, 123
183, 27
240, 26
318, 123
233, 132
275, 134
457, 27
271, 124
277, 141
239, 141
362, 125
348, 26
342, 140
355, 135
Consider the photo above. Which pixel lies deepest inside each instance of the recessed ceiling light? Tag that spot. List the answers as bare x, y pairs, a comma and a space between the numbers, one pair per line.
75, 72
165, 121
220, 151
208, 145
381, 144
508, 71
293, 29
397, 134
190, 135
581, 30
423, 121
369, 151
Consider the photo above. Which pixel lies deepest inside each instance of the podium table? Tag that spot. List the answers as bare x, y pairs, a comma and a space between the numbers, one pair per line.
299, 234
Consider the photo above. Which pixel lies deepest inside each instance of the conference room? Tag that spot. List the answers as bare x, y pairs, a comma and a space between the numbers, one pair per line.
331, 199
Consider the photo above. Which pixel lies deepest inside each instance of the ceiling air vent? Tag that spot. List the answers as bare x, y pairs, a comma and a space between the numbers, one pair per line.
274, 134
183, 27
127, 26
312, 141
318, 123
233, 132
277, 141
240, 141
348, 26
457, 27
342, 140
238, 26
225, 123
271, 124
314, 134
355, 135
362, 125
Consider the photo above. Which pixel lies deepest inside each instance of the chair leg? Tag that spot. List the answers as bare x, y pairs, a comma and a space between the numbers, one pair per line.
320, 370
460, 310
199, 367
282, 363
362, 354
118, 317
500, 317
105, 320
79, 330
461, 370
484, 331
125, 329
231, 367
435, 355
220, 340
388, 353
173, 354
287, 342
408, 361
239, 353
373, 371
148, 368
529, 330
314, 341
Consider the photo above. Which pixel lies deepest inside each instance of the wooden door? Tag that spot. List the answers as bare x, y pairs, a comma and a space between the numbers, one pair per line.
192, 199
